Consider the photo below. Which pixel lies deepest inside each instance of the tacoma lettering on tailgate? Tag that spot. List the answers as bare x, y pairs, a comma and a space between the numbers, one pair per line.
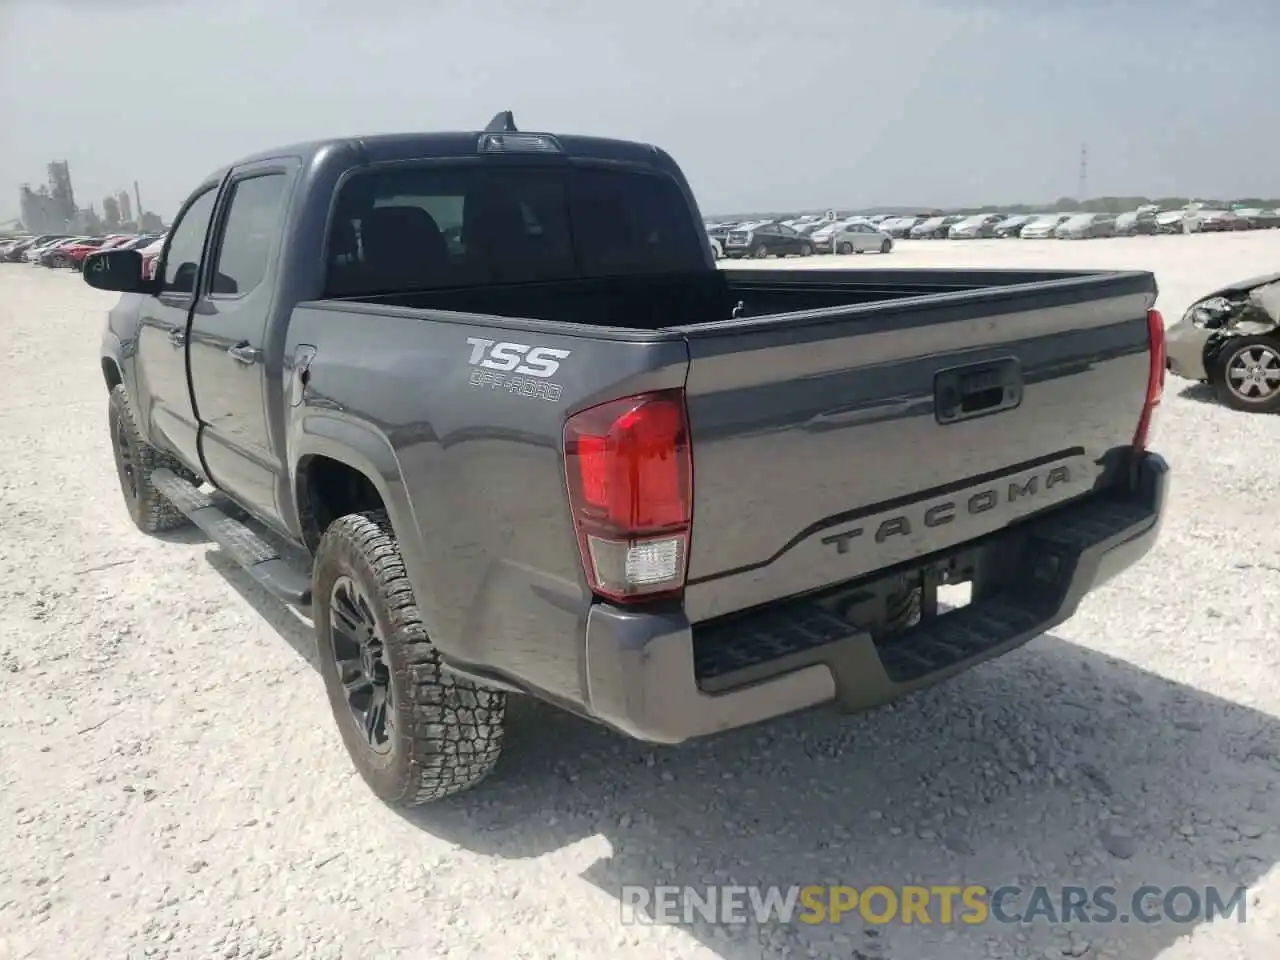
943, 512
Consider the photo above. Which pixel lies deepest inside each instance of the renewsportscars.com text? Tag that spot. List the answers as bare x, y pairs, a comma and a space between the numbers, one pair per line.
971, 905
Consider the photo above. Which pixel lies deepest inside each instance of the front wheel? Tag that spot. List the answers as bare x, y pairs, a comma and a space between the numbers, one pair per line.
886, 246
845, 248
136, 463
1248, 375
806, 250
415, 732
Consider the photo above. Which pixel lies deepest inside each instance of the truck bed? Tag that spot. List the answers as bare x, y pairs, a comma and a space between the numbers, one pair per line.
657, 302
821, 450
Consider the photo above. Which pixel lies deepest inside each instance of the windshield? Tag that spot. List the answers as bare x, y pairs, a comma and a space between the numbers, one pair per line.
448, 226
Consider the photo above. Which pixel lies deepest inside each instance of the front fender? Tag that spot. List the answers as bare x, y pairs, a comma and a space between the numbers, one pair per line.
120, 337
112, 351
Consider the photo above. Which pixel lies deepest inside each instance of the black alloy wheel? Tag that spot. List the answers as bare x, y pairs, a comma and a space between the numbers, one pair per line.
357, 646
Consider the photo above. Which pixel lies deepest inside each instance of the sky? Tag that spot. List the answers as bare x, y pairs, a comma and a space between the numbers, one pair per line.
765, 105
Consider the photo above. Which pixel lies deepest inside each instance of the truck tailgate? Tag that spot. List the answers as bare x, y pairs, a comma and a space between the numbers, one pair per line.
835, 443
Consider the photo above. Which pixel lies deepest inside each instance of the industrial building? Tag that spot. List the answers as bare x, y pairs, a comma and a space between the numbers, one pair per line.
51, 208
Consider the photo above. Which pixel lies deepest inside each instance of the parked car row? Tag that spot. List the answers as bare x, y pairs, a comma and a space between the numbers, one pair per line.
808, 235
1079, 226
760, 239
57, 251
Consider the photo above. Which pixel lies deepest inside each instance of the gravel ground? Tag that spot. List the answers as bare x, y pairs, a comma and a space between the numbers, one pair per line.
174, 786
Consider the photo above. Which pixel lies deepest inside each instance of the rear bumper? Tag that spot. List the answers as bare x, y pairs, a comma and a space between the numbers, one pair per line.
649, 676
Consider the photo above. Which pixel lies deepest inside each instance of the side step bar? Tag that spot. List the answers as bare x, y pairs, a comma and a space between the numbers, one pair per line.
259, 559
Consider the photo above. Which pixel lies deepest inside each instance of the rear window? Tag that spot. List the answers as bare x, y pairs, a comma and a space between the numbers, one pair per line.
432, 227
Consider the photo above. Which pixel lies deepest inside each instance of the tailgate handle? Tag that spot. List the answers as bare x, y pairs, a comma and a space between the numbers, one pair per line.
977, 390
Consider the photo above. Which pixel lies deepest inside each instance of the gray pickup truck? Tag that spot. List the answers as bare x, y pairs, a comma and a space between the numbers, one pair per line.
533, 440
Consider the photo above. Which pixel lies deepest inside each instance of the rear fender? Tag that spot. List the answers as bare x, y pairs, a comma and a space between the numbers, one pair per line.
363, 448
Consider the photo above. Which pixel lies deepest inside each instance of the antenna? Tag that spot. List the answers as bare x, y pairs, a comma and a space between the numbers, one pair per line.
504, 122
1083, 186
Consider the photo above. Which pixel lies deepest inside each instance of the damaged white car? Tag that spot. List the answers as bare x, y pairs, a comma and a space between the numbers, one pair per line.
1231, 340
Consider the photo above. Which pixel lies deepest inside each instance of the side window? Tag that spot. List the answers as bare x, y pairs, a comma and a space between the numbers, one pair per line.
248, 234
186, 241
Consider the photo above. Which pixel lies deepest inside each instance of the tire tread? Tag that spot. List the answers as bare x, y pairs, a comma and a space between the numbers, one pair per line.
454, 732
152, 512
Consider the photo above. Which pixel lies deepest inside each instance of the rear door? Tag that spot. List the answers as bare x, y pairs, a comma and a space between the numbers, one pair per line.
228, 352
163, 397
865, 238
791, 241
825, 450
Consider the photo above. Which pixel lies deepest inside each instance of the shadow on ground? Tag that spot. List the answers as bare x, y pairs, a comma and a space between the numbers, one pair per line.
1201, 393
1055, 765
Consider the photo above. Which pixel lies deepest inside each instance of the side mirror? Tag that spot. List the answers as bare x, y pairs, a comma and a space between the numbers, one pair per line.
116, 270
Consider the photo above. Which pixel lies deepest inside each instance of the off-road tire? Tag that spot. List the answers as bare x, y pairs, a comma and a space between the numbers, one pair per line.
447, 731
150, 511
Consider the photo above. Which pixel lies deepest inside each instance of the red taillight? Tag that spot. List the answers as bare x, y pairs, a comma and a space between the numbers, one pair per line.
630, 477
1155, 380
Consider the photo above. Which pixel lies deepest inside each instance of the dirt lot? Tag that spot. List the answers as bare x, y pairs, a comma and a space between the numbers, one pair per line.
173, 784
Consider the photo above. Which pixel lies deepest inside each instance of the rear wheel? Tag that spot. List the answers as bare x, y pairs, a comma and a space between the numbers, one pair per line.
845, 248
1248, 375
415, 732
136, 463
886, 246
761, 253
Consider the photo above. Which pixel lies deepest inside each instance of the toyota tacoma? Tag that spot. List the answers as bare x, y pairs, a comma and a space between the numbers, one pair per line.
531, 440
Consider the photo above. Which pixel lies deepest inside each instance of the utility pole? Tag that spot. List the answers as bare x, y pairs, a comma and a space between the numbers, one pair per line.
137, 199
1082, 188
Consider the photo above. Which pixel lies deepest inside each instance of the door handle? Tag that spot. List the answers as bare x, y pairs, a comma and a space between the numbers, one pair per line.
178, 337
242, 352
